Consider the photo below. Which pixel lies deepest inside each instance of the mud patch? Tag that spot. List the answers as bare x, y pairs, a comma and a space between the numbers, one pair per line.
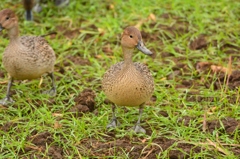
230, 125
137, 148
199, 43
221, 75
70, 34
77, 60
8, 126
42, 143
85, 102
234, 80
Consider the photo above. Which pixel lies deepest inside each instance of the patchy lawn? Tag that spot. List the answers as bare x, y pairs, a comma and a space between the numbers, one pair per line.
194, 112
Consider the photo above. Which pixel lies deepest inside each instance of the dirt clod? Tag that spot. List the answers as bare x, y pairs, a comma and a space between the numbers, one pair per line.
230, 125
85, 102
8, 126
43, 142
199, 43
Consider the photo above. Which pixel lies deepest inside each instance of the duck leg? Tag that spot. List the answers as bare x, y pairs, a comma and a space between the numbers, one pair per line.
29, 15
28, 4
137, 128
7, 99
53, 90
113, 123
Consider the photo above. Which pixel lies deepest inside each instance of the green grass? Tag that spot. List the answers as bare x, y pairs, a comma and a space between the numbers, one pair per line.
98, 25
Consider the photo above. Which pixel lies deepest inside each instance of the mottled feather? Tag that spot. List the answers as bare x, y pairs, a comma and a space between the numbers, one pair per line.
28, 57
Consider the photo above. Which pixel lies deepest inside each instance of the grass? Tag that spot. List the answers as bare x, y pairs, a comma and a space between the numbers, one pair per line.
88, 43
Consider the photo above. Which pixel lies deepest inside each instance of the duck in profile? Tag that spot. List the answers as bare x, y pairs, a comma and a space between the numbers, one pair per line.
25, 57
129, 83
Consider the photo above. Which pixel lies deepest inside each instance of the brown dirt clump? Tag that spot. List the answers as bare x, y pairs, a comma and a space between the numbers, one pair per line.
39, 143
185, 120
85, 102
230, 125
199, 43
221, 73
163, 113
8, 126
234, 80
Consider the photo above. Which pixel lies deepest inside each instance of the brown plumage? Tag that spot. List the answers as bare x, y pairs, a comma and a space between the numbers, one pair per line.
128, 83
28, 4
25, 57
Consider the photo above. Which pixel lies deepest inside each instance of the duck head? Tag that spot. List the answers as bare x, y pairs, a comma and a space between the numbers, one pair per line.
8, 19
132, 38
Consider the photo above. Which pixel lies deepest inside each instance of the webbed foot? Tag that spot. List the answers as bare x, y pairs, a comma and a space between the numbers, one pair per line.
6, 101
138, 129
113, 124
51, 92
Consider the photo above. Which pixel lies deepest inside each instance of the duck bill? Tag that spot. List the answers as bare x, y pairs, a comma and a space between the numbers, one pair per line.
143, 48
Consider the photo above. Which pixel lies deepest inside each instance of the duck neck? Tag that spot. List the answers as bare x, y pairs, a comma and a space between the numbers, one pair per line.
13, 33
127, 56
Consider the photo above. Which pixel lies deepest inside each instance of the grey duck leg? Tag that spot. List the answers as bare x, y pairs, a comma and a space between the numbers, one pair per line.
113, 123
7, 99
137, 128
29, 15
53, 90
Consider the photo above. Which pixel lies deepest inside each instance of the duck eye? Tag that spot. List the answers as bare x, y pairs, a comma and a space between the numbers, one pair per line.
7, 18
131, 36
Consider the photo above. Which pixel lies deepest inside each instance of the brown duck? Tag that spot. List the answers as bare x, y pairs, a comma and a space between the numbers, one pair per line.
129, 83
25, 57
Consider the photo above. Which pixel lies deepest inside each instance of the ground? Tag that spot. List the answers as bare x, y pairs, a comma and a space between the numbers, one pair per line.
193, 113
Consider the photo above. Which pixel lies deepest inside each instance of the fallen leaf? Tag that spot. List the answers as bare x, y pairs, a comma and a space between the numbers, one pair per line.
57, 115
152, 17
216, 69
111, 6
143, 140
57, 125
40, 82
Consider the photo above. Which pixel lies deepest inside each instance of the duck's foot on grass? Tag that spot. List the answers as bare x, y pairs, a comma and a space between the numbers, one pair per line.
113, 124
51, 92
6, 101
138, 129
